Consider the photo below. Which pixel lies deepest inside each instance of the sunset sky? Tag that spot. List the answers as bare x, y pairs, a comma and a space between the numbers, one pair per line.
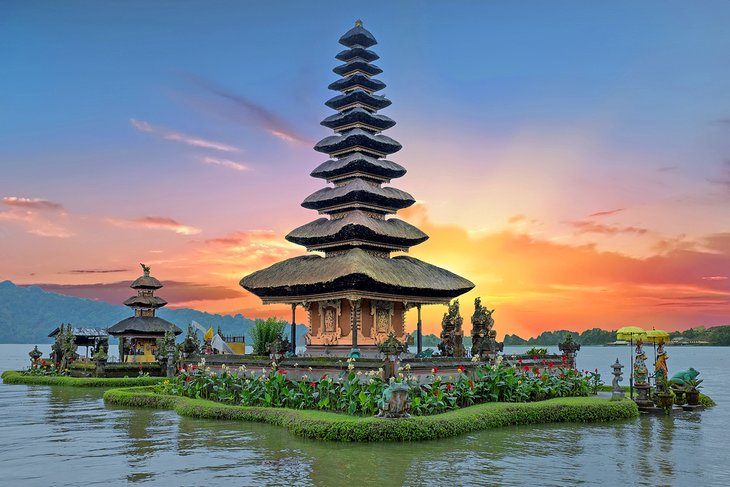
570, 158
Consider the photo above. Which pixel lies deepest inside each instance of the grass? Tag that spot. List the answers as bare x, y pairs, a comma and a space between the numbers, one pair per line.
15, 377
339, 427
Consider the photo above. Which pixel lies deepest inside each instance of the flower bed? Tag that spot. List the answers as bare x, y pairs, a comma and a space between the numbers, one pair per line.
18, 377
319, 425
358, 393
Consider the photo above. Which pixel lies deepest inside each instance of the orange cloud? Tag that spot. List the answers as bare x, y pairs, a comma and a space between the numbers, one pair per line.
31, 203
586, 226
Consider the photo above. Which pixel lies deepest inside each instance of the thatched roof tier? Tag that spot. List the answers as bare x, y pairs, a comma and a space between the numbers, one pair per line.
143, 325
359, 227
358, 98
355, 271
145, 302
357, 65
358, 36
357, 81
358, 191
358, 162
357, 138
146, 282
358, 118
82, 331
357, 53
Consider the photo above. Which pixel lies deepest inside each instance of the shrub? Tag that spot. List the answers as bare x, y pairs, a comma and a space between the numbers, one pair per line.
15, 377
264, 333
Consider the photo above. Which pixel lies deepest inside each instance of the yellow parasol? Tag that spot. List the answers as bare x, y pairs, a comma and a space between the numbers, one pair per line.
208, 337
631, 333
657, 336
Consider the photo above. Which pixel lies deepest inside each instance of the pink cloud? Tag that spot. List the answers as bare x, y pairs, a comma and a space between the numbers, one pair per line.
585, 226
156, 223
605, 213
31, 203
227, 163
192, 140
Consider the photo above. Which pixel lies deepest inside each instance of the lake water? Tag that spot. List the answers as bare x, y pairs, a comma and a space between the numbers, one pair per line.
53, 436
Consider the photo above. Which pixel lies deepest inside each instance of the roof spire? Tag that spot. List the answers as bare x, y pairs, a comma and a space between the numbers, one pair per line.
358, 23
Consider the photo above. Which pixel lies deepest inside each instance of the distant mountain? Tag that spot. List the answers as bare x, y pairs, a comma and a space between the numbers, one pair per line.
29, 314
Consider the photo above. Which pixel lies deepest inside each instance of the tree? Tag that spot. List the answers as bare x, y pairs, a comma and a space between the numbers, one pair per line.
266, 332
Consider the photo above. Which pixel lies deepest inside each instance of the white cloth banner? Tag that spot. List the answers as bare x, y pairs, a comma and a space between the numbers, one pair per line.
218, 344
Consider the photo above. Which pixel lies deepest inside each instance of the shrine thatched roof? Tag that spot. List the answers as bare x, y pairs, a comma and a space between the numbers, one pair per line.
357, 225
358, 191
355, 270
357, 52
357, 65
358, 115
357, 161
82, 331
143, 324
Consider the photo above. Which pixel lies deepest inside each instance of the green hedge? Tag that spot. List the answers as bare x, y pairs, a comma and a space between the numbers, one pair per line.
339, 427
15, 377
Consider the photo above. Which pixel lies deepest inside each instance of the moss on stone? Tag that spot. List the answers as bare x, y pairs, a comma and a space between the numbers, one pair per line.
339, 427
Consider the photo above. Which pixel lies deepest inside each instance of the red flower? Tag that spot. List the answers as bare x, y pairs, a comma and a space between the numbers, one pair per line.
187, 379
519, 361
282, 372
179, 369
562, 375
534, 357
324, 377
449, 386
436, 392
550, 365
526, 368
471, 384
461, 368
435, 370
140, 367
565, 359
43, 363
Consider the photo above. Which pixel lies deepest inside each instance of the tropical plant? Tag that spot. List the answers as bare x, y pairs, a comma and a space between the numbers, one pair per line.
537, 352
264, 333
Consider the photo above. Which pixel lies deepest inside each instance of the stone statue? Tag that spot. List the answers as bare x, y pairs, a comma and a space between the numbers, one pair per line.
569, 349
483, 338
617, 391
641, 373
451, 334
191, 344
394, 403
681, 378
35, 355
145, 269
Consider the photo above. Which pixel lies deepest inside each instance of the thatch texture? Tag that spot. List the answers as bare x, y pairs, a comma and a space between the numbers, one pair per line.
82, 331
146, 282
343, 84
358, 115
376, 101
357, 52
357, 161
143, 324
357, 225
358, 137
358, 191
355, 270
358, 36
357, 65
145, 302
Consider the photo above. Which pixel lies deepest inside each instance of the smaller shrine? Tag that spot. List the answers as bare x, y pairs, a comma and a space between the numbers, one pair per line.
452, 336
88, 337
138, 334
483, 337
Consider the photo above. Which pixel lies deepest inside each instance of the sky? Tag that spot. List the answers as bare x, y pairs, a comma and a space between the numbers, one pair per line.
571, 158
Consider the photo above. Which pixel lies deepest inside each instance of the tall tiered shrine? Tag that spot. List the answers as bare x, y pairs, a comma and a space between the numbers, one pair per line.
357, 284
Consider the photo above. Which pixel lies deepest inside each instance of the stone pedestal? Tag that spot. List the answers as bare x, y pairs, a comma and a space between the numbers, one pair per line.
642, 396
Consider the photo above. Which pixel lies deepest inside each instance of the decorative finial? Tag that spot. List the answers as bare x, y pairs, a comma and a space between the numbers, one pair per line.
146, 270
358, 23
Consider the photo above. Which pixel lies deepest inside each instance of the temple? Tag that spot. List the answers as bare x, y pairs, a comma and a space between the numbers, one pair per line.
138, 334
357, 293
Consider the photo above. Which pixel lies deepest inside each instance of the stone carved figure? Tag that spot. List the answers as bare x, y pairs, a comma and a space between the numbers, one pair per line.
394, 403
191, 344
681, 378
452, 336
483, 337
641, 372
617, 391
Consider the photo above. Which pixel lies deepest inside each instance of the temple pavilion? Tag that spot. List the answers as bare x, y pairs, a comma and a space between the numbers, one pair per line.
357, 292
138, 334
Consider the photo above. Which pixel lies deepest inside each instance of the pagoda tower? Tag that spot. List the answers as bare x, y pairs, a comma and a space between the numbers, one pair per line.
357, 284
138, 334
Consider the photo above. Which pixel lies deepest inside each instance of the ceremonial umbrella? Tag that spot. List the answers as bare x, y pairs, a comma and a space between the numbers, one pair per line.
656, 336
631, 333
